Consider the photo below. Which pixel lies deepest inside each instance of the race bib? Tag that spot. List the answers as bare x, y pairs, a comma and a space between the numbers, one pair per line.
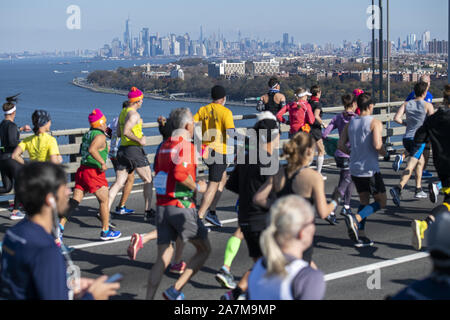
160, 183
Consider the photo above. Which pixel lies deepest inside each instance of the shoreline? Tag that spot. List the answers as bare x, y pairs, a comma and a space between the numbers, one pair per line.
83, 84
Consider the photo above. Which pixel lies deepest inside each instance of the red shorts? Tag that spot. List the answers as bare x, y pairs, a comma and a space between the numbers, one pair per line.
89, 179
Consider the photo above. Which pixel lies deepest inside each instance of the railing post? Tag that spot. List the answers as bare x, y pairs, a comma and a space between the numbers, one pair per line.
75, 139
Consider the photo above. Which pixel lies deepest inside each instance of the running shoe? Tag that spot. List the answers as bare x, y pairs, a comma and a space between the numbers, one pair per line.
418, 233
420, 194
178, 268
19, 215
135, 246
427, 174
434, 192
397, 163
352, 226
212, 218
345, 211
331, 219
396, 193
172, 294
364, 242
226, 279
149, 215
112, 225
110, 235
123, 211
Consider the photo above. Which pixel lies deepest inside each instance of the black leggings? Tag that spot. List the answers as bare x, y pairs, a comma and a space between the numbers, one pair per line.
8, 170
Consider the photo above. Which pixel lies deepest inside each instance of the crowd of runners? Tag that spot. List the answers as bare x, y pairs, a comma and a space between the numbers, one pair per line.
278, 198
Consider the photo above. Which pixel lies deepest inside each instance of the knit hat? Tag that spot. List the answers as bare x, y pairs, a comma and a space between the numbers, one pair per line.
97, 119
135, 95
358, 92
218, 92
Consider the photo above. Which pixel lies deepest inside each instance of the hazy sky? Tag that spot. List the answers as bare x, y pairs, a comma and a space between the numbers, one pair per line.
41, 24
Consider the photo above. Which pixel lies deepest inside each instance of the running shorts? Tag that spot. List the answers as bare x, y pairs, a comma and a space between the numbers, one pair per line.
89, 179
373, 185
414, 149
216, 168
131, 158
252, 240
173, 222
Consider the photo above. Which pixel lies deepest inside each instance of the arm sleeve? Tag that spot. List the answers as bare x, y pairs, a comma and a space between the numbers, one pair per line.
281, 113
184, 163
329, 129
309, 118
229, 122
309, 284
13, 135
49, 275
53, 147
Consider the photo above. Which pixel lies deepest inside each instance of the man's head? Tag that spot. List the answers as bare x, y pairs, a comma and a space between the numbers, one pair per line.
447, 96
316, 91
97, 120
219, 95
274, 83
135, 98
421, 89
438, 240
267, 130
9, 108
182, 119
366, 103
41, 185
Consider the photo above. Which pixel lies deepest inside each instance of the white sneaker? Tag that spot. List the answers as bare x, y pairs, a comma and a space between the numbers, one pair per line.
420, 194
19, 215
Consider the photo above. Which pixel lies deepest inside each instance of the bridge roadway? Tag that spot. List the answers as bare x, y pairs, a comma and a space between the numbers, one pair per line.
334, 254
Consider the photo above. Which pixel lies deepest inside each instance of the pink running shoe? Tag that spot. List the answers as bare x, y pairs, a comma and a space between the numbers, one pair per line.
178, 268
135, 246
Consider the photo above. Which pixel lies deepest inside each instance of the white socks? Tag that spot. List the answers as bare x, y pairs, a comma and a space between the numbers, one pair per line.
320, 164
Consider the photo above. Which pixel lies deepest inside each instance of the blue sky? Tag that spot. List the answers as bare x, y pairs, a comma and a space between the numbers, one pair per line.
41, 24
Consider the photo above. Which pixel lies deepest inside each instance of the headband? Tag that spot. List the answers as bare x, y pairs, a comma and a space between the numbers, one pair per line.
11, 111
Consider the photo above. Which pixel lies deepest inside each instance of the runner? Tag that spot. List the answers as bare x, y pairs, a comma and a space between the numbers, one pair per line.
416, 111
301, 116
436, 129
426, 153
316, 128
345, 186
283, 274
437, 285
176, 213
217, 122
297, 179
41, 146
131, 155
32, 267
245, 181
365, 136
112, 132
9, 137
274, 100
90, 177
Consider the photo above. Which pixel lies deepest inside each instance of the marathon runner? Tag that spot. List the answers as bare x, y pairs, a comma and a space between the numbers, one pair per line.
364, 133
436, 129
274, 100
416, 111
10, 138
176, 211
346, 185
316, 128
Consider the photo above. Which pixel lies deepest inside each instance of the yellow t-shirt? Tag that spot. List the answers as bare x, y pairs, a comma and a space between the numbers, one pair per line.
137, 129
40, 147
215, 119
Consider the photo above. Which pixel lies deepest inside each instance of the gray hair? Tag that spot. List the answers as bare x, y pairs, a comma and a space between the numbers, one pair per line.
180, 117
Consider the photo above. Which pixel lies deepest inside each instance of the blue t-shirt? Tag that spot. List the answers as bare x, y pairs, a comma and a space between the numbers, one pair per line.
428, 98
32, 266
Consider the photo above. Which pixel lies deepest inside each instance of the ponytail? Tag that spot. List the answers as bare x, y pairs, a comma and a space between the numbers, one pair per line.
276, 262
295, 150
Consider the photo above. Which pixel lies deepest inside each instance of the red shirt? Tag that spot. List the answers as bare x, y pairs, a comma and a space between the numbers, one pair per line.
175, 163
300, 113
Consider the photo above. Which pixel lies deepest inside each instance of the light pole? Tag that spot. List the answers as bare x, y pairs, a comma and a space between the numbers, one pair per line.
381, 50
373, 48
448, 62
388, 67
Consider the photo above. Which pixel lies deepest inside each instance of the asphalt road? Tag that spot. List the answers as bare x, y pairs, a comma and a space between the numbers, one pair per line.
334, 254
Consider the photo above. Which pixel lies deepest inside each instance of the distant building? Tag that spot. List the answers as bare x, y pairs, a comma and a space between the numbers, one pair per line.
227, 69
266, 67
177, 73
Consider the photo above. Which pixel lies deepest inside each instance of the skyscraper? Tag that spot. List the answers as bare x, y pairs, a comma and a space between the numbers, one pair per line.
127, 35
426, 37
285, 41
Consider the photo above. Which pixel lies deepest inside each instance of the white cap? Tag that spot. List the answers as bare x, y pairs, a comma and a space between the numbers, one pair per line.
306, 93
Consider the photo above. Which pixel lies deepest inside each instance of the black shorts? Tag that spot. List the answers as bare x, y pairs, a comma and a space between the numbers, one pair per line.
217, 165
316, 133
373, 185
342, 163
131, 158
252, 240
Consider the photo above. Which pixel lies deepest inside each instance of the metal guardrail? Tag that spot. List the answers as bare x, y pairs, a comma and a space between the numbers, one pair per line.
75, 135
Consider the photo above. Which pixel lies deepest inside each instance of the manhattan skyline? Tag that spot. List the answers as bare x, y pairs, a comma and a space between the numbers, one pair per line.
41, 25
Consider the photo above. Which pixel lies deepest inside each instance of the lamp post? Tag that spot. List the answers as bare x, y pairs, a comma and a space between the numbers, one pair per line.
373, 48
381, 50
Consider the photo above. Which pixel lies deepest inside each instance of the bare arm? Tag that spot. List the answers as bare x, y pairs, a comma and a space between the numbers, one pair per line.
317, 116
56, 159
429, 108
399, 115
17, 155
377, 129
97, 145
133, 119
261, 197
343, 140
324, 209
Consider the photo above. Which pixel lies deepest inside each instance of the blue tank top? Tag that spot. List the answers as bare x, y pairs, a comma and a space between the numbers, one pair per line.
363, 157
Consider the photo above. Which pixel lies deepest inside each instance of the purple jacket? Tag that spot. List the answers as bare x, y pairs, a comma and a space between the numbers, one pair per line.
339, 122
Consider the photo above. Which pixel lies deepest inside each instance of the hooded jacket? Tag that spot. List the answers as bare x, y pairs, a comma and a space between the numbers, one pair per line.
339, 122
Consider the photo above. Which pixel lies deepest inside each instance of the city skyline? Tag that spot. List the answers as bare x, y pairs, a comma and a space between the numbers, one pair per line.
21, 33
